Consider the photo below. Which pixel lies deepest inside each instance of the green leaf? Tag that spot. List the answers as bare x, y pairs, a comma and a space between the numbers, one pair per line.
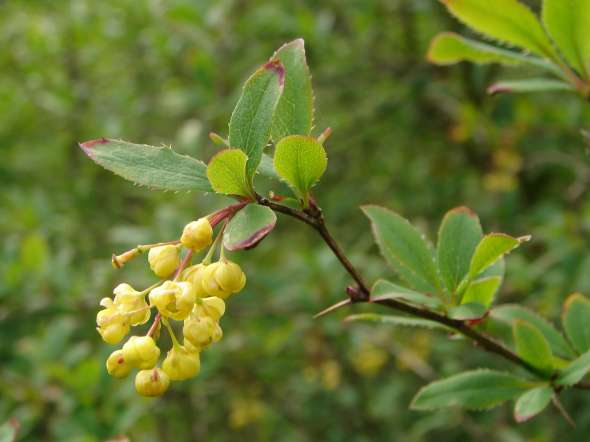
458, 235
250, 123
450, 48
482, 291
294, 113
568, 22
248, 227
509, 313
155, 167
227, 173
404, 248
532, 403
575, 371
477, 389
531, 345
266, 167
576, 321
490, 249
383, 289
468, 312
300, 161
402, 321
507, 21
529, 85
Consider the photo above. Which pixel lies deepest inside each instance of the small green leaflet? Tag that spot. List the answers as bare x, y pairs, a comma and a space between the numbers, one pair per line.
227, 173
251, 120
482, 291
468, 312
404, 248
576, 321
476, 390
300, 161
294, 113
532, 346
383, 289
490, 249
154, 167
458, 236
509, 312
532, 403
248, 227
529, 85
575, 371
402, 321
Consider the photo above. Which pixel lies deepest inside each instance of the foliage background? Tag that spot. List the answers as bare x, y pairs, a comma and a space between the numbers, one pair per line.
414, 137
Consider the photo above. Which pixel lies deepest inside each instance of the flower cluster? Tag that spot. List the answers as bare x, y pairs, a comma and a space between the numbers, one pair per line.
192, 294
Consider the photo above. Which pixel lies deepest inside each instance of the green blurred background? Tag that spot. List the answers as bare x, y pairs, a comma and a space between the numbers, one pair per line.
414, 137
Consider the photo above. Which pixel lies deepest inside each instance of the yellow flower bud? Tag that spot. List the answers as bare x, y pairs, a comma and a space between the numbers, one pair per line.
197, 234
164, 260
181, 364
113, 333
213, 307
132, 303
194, 275
201, 331
141, 352
230, 277
117, 365
153, 382
174, 299
210, 284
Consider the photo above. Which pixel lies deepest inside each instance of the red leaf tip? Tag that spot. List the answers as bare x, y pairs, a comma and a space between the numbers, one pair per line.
87, 146
277, 66
498, 89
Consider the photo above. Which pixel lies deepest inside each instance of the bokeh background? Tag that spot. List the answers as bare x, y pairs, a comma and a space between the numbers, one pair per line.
417, 138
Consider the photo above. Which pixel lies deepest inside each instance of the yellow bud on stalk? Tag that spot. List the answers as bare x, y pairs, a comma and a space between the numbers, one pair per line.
174, 299
194, 275
152, 382
117, 365
223, 278
141, 352
197, 235
132, 303
201, 331
111, 324
164, 260
213, 307
181, 364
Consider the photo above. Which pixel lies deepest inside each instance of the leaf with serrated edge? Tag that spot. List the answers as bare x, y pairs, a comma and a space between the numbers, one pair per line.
532, 403
385, 289
529, 85
507, 21
227, 172
465, 312
476, 390
251, 120
300, 161
509, 312
575, 371
482, 291
567, 22
458, 236
404, 248
154, 167
576, 321
294, 113
531, 345
248, 227
396, 320
490, 249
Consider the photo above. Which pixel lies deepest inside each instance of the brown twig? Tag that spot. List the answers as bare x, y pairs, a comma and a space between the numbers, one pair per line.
314, 218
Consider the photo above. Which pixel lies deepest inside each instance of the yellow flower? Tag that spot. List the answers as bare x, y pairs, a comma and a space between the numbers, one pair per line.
133, 303
151, 382
111, 324
174, 299
194, 275
197, 235
164, 260
141, 352
201, 331
117, 365
211, 306
181, 364
223, 278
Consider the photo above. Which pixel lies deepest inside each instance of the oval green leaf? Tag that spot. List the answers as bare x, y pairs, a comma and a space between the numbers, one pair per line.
532, 403
154, 167
248, 227
490, 249
532, 346
576, 321
227, 173
383, 289
575, 371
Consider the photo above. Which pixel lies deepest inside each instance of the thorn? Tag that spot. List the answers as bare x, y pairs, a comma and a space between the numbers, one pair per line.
562, 411
325, 135
332, 308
